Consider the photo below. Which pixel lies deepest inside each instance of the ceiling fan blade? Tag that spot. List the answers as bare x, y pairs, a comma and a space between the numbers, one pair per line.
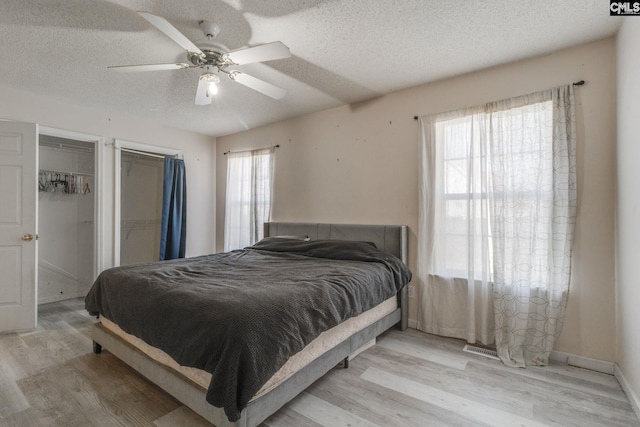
264, 52
148, 67
258, 85
171, 32
203, 96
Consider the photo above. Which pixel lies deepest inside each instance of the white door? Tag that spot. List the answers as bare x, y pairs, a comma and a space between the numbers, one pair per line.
18, 221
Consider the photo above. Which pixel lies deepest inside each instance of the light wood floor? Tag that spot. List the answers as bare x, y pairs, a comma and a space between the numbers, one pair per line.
51, 377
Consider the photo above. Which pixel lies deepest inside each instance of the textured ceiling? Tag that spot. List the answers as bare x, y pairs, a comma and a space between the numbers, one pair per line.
343, 51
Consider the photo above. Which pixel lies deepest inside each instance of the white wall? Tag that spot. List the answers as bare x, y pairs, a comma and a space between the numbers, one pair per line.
199, 156
628, 214
358, 164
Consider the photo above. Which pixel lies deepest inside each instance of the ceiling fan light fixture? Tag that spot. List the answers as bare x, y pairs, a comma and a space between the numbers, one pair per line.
211, 81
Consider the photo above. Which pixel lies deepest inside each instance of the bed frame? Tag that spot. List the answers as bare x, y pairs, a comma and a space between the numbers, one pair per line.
391, 239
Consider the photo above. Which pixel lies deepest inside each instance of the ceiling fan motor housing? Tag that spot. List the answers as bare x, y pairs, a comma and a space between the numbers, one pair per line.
211, 57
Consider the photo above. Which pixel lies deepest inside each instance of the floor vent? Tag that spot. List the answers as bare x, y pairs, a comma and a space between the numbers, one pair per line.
491, 354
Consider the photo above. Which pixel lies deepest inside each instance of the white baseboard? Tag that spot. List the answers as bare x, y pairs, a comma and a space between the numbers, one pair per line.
413, 323
583, 362
633, 399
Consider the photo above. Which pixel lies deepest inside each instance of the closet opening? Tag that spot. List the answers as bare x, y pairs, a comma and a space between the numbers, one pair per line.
140, 206
139, 197
66, 212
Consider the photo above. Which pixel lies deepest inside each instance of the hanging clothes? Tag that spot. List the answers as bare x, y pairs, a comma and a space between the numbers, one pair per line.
63, 182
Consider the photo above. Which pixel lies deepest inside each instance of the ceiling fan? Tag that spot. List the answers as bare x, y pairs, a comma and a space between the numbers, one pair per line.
214, 57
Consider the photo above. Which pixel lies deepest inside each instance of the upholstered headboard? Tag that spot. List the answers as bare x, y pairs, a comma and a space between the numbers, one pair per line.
389, 238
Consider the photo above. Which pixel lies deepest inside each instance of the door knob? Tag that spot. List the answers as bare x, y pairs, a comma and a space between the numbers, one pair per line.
27, 237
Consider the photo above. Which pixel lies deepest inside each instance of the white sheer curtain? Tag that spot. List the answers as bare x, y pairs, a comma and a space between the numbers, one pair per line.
454, 270
248, 200
497, 200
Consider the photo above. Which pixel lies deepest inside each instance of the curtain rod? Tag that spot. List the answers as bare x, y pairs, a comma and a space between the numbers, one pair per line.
243, 151
580, 83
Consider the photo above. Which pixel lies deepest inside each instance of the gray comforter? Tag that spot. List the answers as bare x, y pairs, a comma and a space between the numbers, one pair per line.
240, 315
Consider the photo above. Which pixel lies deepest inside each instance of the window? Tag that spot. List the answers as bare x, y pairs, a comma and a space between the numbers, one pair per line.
477, 182
248, 201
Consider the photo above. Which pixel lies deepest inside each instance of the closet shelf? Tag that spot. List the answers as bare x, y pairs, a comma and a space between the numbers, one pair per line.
65, 172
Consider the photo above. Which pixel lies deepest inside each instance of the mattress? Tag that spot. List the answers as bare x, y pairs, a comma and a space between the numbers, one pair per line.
312, 351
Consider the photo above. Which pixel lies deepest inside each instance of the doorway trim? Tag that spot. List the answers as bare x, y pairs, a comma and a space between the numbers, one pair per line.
119, 146
99, 195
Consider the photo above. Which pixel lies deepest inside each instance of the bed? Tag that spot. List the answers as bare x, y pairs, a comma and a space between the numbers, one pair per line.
315, 307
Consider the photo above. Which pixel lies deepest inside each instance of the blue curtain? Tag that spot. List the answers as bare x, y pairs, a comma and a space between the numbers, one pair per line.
173, 233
